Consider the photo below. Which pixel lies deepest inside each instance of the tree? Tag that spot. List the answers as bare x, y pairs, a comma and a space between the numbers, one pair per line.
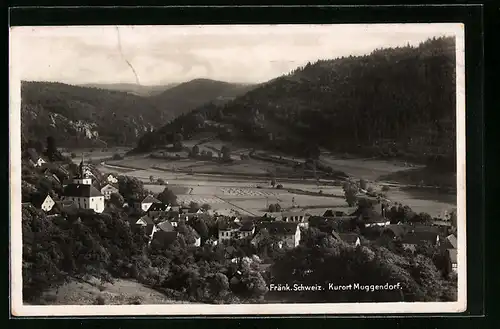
167, 196
116, 199
193, 207
160, 181
131, 188
272, 208
350, 193
226, 153
178, 138
151, 179
277, 207
362, 184
206, 207
195, 150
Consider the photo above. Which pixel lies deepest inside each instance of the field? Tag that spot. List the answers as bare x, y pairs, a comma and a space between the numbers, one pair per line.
88, 292
244, 185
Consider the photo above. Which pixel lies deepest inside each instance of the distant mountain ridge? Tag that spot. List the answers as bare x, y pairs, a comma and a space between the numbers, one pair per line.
396, 102
189, 95
139, 90
79, 116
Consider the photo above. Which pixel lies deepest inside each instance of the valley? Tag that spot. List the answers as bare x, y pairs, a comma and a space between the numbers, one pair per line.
245, 184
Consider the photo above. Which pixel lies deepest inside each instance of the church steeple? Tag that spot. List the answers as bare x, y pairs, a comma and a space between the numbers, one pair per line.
80, 168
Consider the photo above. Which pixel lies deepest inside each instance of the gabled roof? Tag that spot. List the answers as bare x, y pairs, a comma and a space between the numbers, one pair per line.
280, 227
166, 226
165, 238
450, 242
331, 213
397, 230
350, 238
109, 186
229, 225
419, 237
38, 199
150, 199
292, 214
81, 190
148, 220
158, 206
453, 255
247, 226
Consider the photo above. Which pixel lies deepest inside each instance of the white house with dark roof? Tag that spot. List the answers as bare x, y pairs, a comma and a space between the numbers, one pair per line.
111, 179
35, 159
46, 203
148, 202
82, 193
288, 233
293, 217
108, 190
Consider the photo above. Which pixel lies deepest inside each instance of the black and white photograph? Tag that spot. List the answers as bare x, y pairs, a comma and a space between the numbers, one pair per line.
237, 169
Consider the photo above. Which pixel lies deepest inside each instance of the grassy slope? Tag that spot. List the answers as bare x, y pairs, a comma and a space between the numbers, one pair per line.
78, 292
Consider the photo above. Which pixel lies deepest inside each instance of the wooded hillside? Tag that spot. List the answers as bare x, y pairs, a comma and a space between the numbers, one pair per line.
393, 102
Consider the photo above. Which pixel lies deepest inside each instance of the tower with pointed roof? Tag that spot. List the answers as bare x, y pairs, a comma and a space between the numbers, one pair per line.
83, 175
82, 193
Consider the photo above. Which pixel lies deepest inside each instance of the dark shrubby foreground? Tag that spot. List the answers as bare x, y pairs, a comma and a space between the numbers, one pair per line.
321, 259
104, 245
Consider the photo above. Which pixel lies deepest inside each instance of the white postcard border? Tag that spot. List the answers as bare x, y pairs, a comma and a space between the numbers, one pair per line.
19, 309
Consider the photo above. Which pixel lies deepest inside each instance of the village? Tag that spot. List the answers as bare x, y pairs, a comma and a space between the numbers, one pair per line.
374, 219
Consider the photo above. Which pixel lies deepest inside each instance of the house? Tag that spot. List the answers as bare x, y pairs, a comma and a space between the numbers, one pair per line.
148, 202
441, 223
64, 206
111, 179
370, 217
450, 242
288, 233
159, 207
394, 231
293, 217
412, 239
144, 221
331, 213
108, 190
82, 193
452, 254
229, 229
34, 158
163, 234
350, 238
44, 202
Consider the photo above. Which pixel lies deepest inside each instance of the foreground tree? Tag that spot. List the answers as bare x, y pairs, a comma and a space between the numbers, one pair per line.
350, 193
167, 196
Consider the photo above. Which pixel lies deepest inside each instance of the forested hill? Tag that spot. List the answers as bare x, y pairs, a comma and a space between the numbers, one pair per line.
393, 102
79, 116
192, 94
82, 116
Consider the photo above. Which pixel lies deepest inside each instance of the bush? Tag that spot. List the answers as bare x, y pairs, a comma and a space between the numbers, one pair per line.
100, 300
385, 188
73, 155
117, 156
279, 186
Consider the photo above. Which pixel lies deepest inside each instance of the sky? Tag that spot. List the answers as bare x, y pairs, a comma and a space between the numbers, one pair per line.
155, 55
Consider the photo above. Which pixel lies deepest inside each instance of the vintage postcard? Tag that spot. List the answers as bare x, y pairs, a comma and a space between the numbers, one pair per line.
237, 169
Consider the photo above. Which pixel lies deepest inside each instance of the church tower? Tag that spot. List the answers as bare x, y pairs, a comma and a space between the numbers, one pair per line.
83, 176
81, 191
